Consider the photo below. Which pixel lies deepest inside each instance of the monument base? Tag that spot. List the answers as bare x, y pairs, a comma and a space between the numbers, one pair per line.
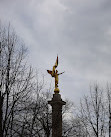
56, 104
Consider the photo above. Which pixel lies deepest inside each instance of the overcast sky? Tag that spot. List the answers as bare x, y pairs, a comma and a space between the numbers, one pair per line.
79, 31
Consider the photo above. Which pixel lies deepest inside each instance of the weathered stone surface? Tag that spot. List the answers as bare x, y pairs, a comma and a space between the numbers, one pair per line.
56, 104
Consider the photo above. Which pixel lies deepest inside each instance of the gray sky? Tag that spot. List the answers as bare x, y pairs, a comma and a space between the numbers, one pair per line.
79, 31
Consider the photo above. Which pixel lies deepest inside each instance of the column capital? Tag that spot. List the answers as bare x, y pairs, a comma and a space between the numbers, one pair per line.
56, 100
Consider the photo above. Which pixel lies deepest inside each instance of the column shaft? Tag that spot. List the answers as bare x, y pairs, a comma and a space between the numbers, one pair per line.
56, 104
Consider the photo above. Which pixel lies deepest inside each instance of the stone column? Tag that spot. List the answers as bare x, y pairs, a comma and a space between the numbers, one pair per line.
56, 104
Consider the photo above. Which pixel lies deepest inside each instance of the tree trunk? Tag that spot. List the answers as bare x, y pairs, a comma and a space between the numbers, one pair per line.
1, 102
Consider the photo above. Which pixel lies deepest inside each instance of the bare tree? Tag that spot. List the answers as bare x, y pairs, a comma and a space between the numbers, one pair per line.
108, 108
15, 78
93, 113
36, 116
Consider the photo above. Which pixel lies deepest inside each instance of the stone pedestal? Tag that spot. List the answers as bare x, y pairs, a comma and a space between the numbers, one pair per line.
56, 104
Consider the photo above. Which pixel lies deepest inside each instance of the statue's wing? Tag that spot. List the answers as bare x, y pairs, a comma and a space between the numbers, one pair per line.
56, 64
49, 71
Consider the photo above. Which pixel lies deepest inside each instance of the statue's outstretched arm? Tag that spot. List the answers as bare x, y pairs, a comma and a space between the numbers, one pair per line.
61, 73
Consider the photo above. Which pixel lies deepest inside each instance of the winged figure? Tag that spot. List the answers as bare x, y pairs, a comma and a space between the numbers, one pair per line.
53, 70
54, 73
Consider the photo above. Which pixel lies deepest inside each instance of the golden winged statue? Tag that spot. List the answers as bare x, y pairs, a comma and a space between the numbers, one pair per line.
54, 73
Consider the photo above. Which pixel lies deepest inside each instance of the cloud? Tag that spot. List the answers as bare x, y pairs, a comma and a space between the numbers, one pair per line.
78, 30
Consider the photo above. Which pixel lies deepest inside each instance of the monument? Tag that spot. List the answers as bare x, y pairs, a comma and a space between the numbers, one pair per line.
56, 104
